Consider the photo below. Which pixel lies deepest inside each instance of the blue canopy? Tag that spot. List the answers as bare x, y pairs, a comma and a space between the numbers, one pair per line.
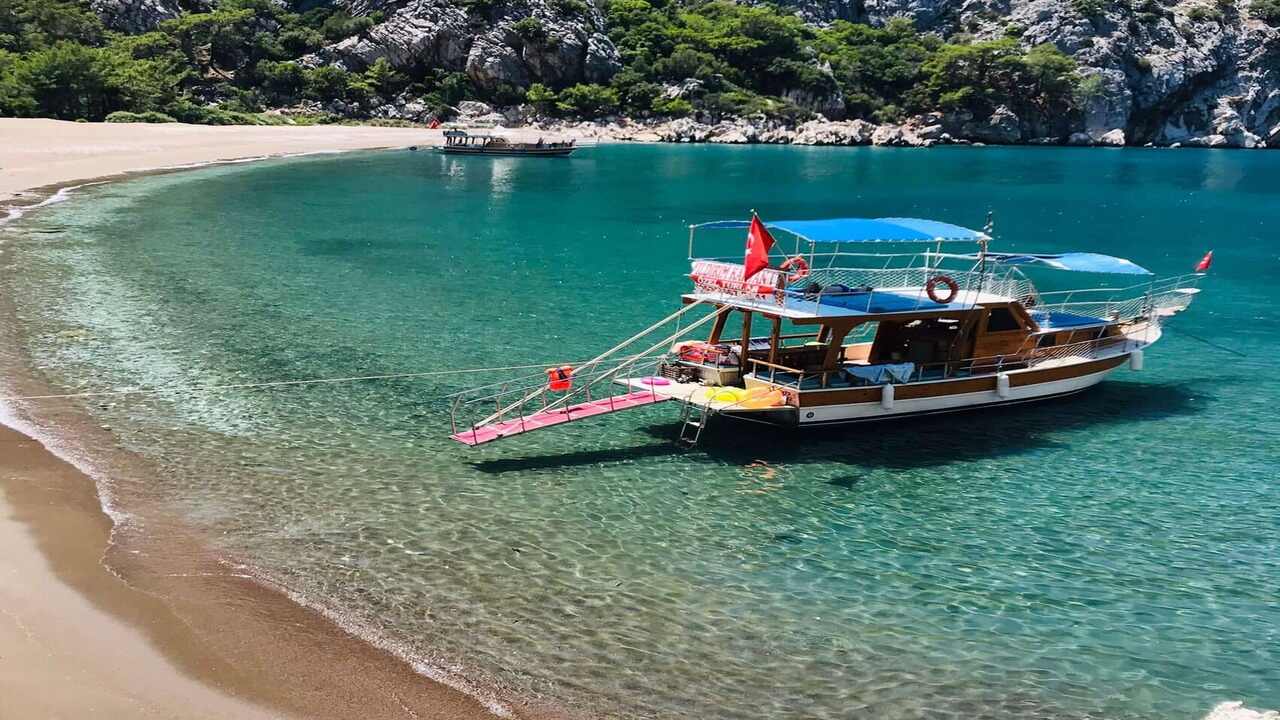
1075, 261
839, 230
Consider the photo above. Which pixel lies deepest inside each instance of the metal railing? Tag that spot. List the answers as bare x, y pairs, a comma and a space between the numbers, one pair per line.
851, 276
1083, 351
1144, 300
517, 399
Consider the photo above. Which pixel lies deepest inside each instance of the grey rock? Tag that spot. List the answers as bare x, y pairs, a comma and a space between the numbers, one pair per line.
1209, 141
684, 89
900, 136
602, 60
134, 16
473, 108
830, 132
1114, 138
439, 33
1003, 127
491, 63
431, 32
1157, 77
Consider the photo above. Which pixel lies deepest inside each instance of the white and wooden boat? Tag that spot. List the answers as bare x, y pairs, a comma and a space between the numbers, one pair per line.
834, 335
459, 142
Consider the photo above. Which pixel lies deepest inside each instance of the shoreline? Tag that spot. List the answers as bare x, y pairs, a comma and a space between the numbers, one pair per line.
40, 157
195, 635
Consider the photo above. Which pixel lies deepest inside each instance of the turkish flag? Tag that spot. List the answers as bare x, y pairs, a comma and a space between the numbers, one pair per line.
1205, 262
759, 242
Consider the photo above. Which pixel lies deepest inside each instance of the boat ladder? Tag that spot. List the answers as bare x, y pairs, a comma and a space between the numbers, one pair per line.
690, 426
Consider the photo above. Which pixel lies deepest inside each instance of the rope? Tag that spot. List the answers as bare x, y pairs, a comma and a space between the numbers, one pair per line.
277, 383
1210, 343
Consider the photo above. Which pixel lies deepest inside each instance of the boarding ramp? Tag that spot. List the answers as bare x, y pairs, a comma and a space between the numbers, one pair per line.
599, 386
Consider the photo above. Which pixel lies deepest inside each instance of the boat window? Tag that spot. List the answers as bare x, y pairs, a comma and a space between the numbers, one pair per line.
1001, 320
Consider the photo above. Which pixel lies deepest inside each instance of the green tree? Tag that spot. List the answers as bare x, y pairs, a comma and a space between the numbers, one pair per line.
326, 83
17, 99
590, 101
384, 79
67, 81
541, 98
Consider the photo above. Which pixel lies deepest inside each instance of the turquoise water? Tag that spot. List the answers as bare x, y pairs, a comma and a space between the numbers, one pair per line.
1113, 555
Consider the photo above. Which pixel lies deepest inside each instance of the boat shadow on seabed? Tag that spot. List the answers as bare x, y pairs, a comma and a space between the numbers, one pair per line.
901, 444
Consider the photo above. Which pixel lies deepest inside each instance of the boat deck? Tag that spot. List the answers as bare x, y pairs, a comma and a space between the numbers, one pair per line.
881, 301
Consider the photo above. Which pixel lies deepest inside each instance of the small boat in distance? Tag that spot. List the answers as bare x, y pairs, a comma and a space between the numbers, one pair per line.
853, 336
460, 142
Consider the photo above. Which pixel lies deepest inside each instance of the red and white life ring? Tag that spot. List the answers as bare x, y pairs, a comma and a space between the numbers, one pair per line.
931, 289
796, 268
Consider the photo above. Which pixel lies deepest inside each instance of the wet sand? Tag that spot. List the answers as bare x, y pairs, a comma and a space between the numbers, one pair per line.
96, 622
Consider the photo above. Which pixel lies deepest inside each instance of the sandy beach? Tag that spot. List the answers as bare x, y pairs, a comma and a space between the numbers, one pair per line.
89, 629
38, 154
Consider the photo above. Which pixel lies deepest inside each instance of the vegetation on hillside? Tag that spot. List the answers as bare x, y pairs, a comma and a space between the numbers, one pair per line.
224, 66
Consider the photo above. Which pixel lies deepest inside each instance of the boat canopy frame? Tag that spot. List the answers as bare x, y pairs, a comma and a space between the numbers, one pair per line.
836, 231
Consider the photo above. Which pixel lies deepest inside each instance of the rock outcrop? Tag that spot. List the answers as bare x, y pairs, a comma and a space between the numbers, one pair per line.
1186, 73
134, 16
1195, 72
514, 45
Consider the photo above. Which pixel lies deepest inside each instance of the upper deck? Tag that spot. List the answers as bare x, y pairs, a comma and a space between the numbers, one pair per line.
873, 304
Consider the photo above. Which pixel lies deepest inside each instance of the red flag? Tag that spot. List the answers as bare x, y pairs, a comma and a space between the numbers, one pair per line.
1205, 262
759, 242
435, 123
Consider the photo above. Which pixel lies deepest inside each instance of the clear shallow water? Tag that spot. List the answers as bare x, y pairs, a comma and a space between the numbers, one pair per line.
1114, 555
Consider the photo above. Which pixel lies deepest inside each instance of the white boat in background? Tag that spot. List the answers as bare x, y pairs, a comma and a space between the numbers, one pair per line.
850, 336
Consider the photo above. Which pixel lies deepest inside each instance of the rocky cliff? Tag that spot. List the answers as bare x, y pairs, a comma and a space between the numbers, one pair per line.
1164, 72
511, 44
1198, 72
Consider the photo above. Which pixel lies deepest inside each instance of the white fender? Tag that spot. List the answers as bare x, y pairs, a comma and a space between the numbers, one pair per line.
1135, 360
886, 397
1002, 385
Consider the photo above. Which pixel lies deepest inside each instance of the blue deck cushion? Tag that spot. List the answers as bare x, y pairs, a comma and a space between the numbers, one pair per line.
872, 302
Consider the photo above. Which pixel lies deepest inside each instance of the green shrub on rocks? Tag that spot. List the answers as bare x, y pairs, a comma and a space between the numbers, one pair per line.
229, 64
588, 101
124, 116
1267, 11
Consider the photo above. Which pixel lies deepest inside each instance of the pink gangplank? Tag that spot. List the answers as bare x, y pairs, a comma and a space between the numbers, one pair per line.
559, 416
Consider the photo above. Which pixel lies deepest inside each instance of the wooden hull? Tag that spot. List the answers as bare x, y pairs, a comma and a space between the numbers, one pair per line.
508, 152
856, 405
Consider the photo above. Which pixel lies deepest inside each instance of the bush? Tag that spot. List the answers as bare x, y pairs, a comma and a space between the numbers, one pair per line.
1088, 8
1267, 11
340, 25
326, 83
589, 101
124, 116
570, 7
530, 30
541, 98
674, 107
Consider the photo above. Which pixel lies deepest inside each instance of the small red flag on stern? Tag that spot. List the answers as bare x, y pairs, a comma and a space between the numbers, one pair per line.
759, 242
1205, 262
